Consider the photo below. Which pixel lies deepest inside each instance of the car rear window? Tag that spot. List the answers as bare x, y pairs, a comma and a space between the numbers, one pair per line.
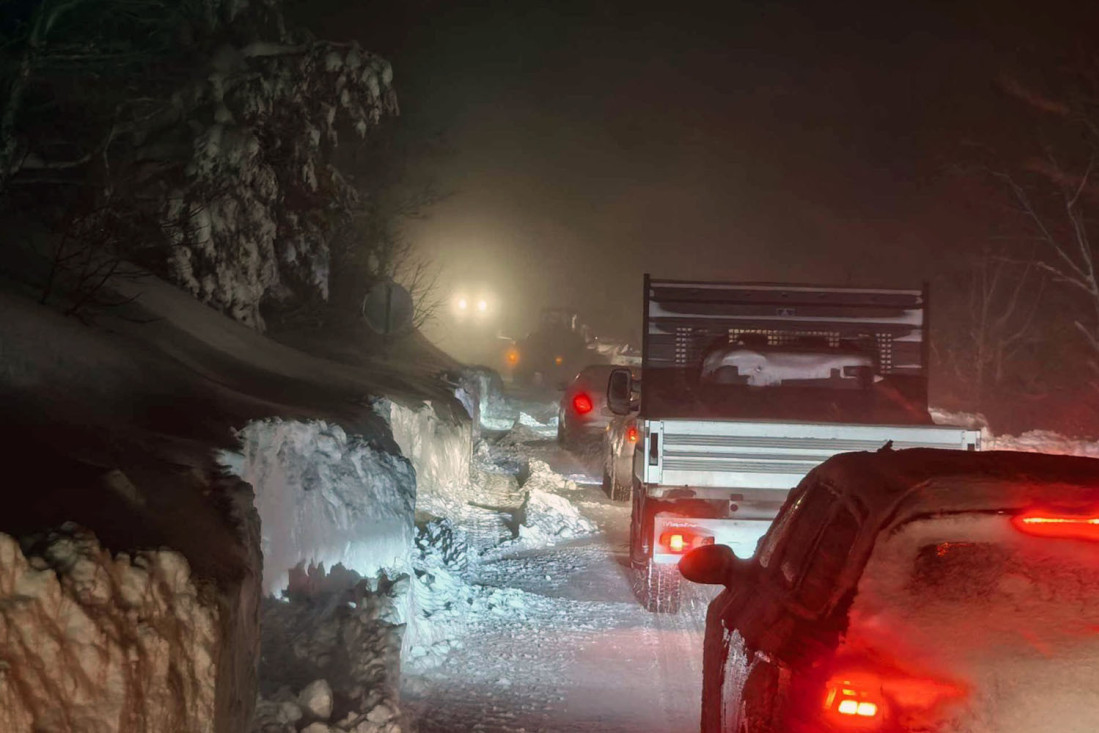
828, 560
971, 588
814, 511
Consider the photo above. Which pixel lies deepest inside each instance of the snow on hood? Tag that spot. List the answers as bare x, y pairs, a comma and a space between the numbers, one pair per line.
325, 498
1009, 620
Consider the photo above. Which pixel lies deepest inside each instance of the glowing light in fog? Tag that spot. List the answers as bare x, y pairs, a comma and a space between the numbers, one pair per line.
482, 306
462, 304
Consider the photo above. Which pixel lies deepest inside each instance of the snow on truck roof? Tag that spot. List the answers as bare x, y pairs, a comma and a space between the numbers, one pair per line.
899, 485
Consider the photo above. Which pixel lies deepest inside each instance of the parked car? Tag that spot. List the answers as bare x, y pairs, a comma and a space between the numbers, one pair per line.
619, 444
582, 414
915, 590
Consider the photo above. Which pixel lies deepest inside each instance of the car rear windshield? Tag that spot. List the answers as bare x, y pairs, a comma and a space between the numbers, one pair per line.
973, 587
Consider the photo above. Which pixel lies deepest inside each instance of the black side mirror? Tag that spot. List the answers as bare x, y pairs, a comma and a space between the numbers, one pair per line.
714, 565
619, 390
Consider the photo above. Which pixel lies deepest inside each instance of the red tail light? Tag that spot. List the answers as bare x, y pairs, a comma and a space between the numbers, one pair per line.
1046, 524
854, 702
582, 404
632, 435
862, 700
680, 541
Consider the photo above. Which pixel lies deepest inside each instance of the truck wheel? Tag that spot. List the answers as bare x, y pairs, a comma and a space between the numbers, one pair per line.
658, 587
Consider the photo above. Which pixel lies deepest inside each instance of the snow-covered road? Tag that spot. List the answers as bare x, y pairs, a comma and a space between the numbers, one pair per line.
567, 648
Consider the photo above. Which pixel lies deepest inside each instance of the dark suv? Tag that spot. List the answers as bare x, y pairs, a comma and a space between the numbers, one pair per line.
914, 590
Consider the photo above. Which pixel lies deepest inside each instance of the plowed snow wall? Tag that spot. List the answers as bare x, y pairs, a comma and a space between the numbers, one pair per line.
441, 452
325, 497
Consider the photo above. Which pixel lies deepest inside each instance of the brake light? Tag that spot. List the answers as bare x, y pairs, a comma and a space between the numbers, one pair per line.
1044, 524
632, 435
862, 699
582, 404
854, 701
679, 541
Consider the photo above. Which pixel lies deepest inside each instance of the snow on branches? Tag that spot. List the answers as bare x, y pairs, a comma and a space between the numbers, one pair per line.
251, 218
210, 117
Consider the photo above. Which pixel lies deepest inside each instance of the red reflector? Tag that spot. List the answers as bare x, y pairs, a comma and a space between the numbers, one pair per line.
1052, 525
582, 404
632, 435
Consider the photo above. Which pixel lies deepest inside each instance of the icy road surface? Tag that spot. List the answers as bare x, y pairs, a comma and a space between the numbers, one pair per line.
574, 651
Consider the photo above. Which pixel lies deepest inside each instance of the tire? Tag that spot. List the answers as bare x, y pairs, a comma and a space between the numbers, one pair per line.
621, 486
658, 587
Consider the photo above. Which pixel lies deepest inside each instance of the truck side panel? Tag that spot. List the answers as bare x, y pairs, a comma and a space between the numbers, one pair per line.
770, 455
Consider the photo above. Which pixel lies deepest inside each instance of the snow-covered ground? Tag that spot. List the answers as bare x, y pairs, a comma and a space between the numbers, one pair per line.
539, 628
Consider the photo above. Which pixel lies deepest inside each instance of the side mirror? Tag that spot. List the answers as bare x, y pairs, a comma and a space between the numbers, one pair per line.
619, 389
713, 565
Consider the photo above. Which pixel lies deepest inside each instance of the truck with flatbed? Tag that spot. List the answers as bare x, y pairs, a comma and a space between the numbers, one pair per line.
746, 387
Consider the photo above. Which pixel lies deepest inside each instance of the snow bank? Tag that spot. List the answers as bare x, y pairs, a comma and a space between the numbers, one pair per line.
325, 498
445, 601
1034, 441
332, 655
1044, 441
1005, 623
91, 642
440, 452
482, 392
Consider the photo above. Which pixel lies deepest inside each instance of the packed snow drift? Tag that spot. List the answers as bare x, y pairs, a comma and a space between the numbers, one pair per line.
325, 498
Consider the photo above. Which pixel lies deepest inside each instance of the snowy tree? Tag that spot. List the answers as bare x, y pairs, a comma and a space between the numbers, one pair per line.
210, 118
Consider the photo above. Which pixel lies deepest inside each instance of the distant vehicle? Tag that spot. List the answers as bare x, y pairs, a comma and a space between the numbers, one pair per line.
747, 387
582, 415
914, 590
551, 354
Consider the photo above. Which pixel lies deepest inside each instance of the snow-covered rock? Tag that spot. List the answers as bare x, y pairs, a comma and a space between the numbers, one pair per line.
325, 498
94, 642
339, 646
316, 700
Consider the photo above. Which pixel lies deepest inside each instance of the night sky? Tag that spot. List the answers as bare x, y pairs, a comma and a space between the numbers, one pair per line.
793, 141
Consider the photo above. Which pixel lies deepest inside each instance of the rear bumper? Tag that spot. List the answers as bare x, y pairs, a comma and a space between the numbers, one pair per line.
742, 535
